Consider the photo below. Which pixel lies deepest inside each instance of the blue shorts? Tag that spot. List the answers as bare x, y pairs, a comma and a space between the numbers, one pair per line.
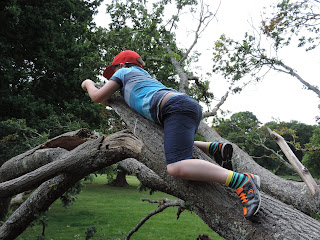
180, 117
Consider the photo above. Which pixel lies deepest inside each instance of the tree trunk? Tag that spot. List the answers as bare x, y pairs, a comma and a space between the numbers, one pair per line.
120, 180
290, 192
216, 204
35, 158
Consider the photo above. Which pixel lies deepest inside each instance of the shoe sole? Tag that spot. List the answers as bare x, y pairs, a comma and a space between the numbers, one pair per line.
226, 151
257, 182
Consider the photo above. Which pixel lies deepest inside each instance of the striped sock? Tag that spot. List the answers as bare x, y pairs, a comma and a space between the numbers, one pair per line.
235, 180
212, 147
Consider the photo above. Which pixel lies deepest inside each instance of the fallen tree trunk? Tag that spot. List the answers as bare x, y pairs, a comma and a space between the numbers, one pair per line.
217, 205
290, 192
69, 169
37, 157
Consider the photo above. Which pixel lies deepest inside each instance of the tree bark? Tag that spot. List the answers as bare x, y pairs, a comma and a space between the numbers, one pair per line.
290, 192
216, 204
35, 158
78, 163
120, 180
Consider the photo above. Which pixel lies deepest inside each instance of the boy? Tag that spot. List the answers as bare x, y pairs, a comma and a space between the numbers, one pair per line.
180, 116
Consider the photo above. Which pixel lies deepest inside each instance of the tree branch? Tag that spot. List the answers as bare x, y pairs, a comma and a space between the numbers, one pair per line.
183, 85
93, 153
202, 21
165, 203
272, 184
76, 164
297, 165
315, 89
284, 162
145, 175
218, 205
214, 111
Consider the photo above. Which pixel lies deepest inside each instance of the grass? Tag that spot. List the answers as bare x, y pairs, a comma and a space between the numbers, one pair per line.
114, 211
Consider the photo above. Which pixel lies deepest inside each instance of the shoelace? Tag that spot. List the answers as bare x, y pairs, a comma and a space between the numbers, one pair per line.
243, 197
241, 193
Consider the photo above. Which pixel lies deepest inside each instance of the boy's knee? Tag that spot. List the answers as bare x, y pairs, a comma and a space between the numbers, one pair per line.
175, 170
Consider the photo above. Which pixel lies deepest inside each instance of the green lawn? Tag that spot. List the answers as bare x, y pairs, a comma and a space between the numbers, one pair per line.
114, 212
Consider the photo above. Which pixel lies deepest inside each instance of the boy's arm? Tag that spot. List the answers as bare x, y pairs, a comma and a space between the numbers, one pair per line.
100, 95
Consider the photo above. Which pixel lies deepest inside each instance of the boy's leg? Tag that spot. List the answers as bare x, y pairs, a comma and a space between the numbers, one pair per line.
198, 170
179, 130
221, 151
202, 146
247, 185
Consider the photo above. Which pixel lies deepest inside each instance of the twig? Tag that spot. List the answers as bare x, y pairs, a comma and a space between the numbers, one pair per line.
163, 204
214, 111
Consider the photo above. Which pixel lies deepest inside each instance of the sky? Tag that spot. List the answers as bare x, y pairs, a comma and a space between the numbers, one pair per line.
279, 96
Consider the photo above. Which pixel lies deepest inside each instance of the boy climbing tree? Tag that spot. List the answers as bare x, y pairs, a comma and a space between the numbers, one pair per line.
180, 116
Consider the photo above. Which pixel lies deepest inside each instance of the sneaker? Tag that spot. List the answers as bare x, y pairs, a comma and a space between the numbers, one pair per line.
222, 152
249, 195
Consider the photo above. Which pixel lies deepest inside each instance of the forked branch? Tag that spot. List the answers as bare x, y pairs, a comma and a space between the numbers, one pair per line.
163, 204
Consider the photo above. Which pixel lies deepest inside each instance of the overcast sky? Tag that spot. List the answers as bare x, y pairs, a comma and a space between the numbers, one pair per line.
278, 96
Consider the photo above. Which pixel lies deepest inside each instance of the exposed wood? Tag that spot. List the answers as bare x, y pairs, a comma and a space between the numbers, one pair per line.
33, 159
297, 165
121, 143
214, 111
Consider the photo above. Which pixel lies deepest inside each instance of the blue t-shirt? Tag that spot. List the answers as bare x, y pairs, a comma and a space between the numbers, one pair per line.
140, 91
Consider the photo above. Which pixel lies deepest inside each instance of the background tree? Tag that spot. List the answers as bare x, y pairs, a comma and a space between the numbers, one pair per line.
250, 58
311, 158
249, 134
47, 49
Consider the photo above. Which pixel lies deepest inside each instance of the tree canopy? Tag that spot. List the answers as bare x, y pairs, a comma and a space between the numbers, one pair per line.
47, 49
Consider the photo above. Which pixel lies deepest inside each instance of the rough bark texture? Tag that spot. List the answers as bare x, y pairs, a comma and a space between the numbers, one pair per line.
290, 192
35, 158
217, 205
88, 157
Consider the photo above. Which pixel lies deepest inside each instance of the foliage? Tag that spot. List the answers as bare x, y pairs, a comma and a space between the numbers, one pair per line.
134, 27
294, 18
90, 232
16, 137
143, 29
69, 197
47, 49
312, 157
248, 60
236, 60
245, 130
